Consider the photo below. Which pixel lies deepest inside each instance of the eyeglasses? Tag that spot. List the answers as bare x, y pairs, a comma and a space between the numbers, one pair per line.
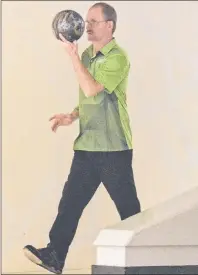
94, 23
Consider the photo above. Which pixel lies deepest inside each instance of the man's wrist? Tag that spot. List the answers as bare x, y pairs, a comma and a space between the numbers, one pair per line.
74, 115
75, 57
76, 60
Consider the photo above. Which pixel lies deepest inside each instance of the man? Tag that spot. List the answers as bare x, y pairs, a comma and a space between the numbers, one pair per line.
103, 148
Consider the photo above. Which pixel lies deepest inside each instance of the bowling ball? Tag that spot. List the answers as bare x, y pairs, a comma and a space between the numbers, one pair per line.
69, 23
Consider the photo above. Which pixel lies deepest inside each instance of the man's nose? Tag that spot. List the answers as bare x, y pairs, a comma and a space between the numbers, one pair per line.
88, 24
88, 28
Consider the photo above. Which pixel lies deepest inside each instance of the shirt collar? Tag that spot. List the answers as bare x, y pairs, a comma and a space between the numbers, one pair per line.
105, 50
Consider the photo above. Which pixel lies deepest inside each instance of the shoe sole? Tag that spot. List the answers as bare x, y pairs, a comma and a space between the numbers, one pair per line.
33, 258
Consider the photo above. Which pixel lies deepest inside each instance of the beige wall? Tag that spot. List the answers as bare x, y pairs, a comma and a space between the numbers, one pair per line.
162, 41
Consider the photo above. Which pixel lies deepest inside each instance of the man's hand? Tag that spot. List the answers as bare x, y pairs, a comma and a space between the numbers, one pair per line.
71, 48
61, 120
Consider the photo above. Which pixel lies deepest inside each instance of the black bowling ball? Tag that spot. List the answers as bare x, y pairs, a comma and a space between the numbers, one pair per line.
69, 23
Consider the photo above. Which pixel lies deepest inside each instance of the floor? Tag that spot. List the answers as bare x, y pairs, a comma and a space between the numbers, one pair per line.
69, 271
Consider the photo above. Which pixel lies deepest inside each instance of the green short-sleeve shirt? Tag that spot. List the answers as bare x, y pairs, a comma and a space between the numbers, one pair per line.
103, 119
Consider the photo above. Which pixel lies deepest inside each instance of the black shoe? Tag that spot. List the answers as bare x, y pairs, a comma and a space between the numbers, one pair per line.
44, 257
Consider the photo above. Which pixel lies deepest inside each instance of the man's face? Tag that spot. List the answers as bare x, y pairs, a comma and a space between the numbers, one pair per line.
96, 26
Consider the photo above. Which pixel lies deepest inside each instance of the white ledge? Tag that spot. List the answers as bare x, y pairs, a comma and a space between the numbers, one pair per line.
163, 235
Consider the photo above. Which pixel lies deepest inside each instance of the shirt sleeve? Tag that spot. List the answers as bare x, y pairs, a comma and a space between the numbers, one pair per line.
112, 71
76, 109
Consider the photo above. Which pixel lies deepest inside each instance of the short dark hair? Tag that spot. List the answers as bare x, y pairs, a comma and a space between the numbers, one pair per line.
108, 12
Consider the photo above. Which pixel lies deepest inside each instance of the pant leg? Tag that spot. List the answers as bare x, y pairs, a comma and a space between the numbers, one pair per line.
117, 177
81, 185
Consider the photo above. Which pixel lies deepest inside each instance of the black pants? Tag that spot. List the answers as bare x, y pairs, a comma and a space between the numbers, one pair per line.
88, 170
